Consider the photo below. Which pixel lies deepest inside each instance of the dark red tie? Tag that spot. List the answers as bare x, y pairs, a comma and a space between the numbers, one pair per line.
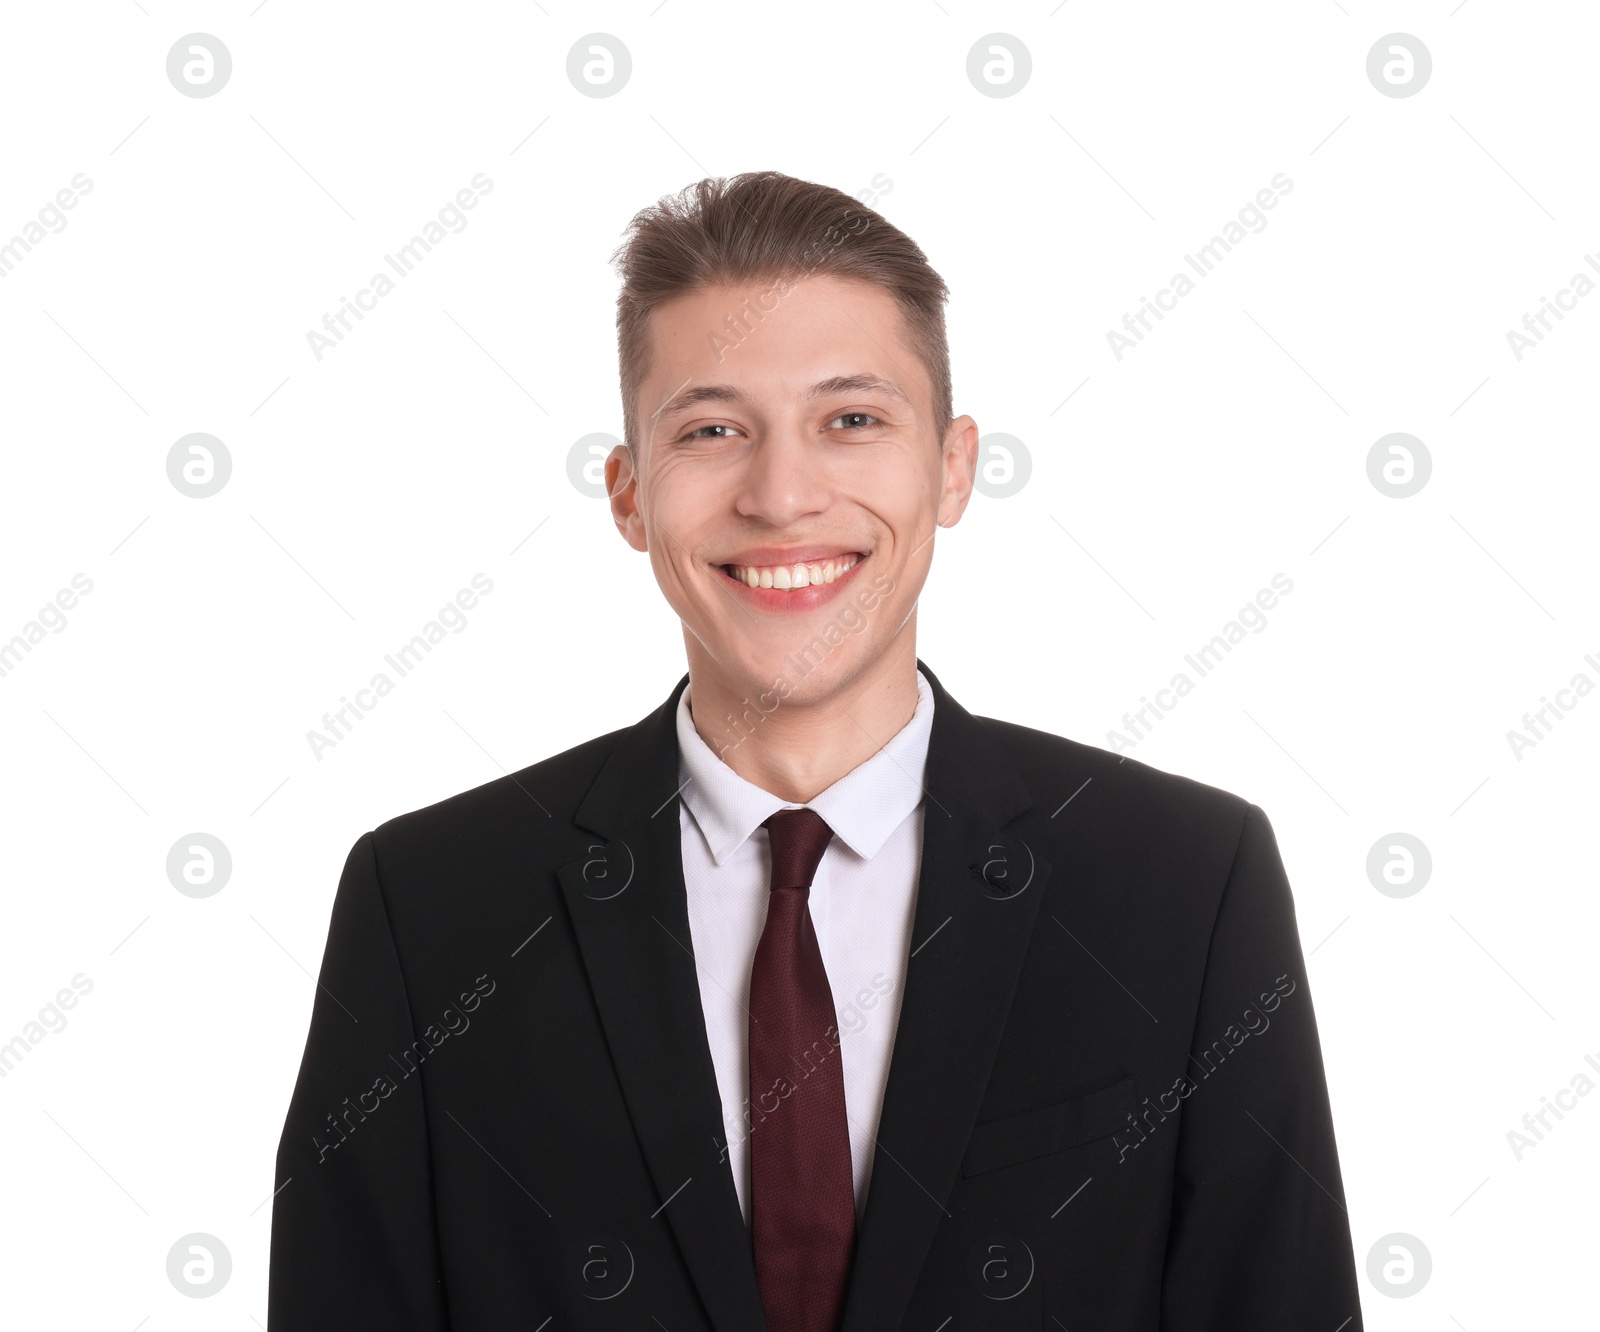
802, 1188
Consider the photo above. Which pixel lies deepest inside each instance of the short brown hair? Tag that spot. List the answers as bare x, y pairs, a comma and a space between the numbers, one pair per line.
765, 226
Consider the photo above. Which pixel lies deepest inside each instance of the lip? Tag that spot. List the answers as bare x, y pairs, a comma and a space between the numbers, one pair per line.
794, 599
773, 555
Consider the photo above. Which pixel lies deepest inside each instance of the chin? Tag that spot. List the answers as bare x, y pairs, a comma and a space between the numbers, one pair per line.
804, 677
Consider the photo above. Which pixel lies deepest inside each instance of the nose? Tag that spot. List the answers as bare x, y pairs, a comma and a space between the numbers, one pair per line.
785, 479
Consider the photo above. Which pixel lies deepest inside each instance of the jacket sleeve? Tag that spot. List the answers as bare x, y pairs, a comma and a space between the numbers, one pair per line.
353, 1238
1259, 1238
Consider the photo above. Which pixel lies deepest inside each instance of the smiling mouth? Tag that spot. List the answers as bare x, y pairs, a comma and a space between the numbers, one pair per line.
790, 577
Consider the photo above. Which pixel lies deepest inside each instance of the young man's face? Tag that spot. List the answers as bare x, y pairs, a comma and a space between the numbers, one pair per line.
788, 487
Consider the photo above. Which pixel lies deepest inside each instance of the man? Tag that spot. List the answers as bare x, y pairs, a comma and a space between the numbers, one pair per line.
811, 1001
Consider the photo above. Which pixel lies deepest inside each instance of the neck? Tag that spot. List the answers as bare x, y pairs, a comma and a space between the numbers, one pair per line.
796, 748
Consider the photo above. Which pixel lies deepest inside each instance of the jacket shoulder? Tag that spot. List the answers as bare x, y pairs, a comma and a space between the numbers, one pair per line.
537, 801
1118, 794
1152, 850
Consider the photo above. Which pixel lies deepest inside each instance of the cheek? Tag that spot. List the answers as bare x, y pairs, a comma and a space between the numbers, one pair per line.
906, 492
907, 518
669, 510
677, 520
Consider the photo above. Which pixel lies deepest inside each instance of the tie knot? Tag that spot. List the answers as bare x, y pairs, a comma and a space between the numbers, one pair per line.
798, 837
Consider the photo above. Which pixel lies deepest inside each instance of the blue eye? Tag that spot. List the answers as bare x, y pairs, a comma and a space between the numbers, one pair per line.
865, 418
696, 433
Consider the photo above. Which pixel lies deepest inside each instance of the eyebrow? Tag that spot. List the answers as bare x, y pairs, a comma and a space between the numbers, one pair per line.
825, 388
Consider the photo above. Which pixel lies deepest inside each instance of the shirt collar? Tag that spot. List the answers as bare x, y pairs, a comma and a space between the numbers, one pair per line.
863, 807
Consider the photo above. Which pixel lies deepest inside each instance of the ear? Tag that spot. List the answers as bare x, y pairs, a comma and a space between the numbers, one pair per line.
622, 490
959, 463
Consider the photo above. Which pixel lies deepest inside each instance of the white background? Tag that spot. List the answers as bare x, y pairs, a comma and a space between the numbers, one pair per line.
369, 486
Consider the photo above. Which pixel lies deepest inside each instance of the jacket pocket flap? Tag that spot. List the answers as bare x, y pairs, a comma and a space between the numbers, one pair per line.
1054, 1128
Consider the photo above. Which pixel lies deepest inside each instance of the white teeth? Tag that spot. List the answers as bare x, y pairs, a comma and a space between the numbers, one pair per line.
788, 577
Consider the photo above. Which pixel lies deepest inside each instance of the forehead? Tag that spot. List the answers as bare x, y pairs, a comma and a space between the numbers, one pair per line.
779, 339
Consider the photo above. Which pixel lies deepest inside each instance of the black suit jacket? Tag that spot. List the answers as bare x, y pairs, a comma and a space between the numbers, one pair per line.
1105, 1110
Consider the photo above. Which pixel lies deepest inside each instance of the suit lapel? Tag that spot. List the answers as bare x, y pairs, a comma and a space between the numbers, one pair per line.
978, 895
977, 899
629, 908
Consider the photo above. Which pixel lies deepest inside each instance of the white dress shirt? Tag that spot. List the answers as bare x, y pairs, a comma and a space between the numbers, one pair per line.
862, 901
